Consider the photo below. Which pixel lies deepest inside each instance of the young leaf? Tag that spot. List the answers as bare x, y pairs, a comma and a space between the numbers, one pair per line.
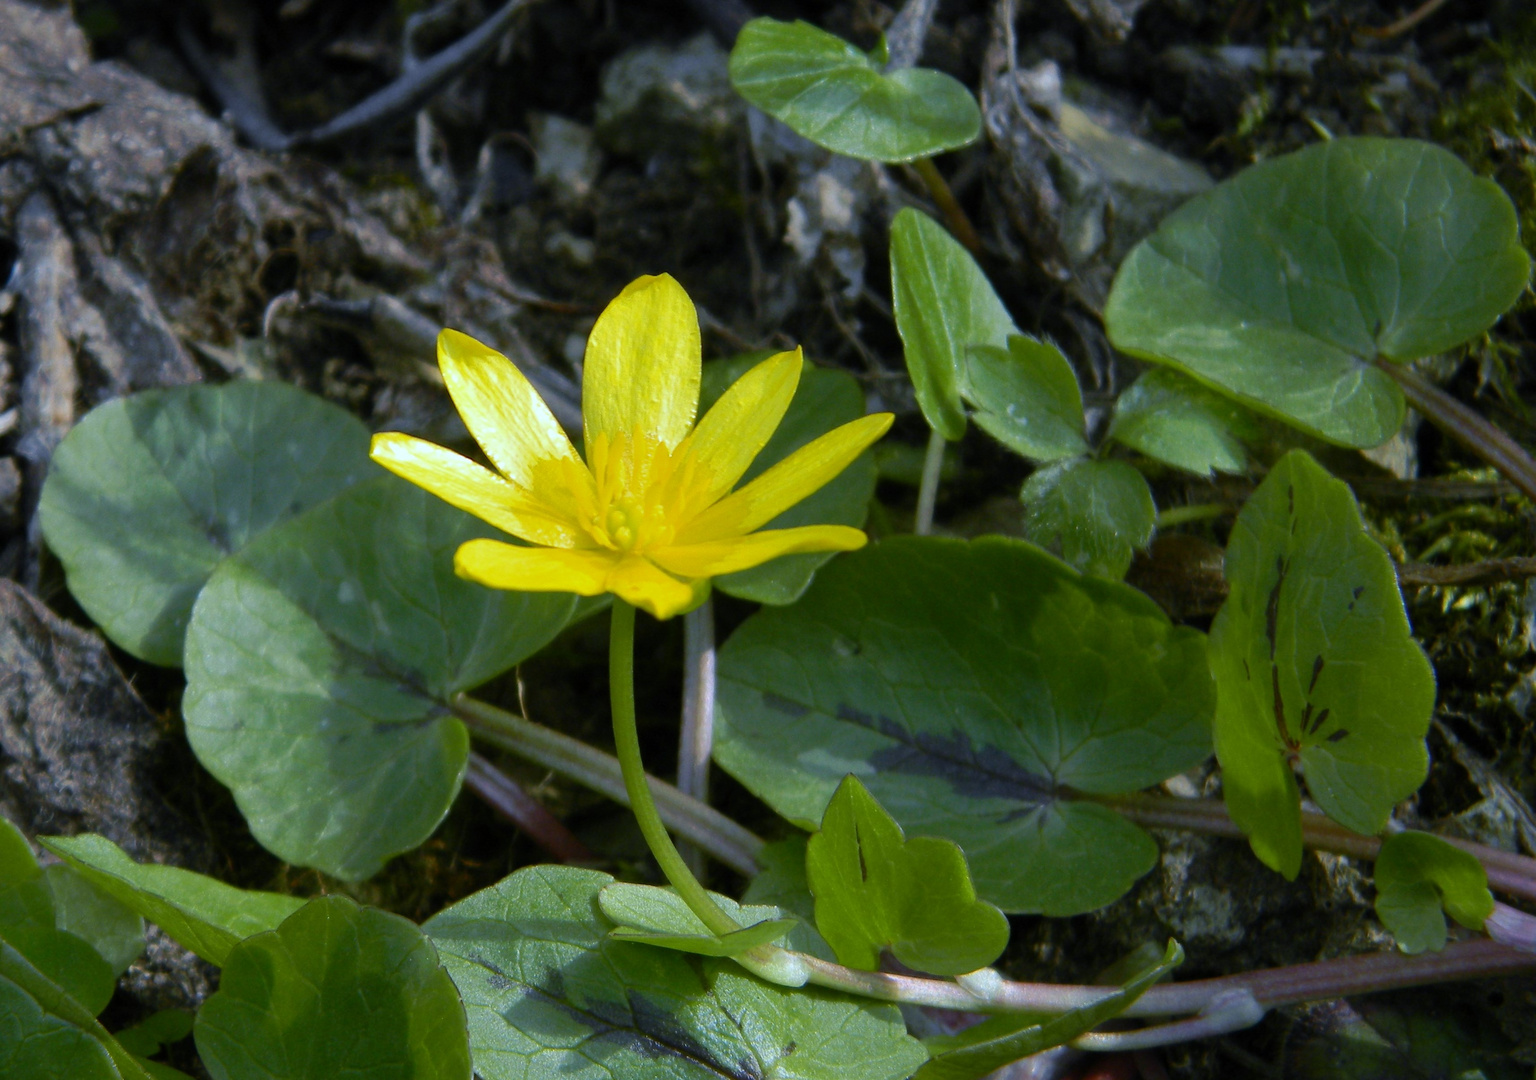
1282, 285
336, 990
655, 916
1416, 876
1096, 513
551, 994
319, 663
837, 97
1172, 418
147, 493
971, 686
826, 398
114, 931
1315, 666
1027, 398
989, 1046
47, 1035
944, 305
201, 913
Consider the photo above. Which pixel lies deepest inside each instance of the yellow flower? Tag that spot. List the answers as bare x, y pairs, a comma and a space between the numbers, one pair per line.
649, 515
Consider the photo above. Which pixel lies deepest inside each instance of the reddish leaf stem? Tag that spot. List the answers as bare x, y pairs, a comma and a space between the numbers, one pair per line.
508, 799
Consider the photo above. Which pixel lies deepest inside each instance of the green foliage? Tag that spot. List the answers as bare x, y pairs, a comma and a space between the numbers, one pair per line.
838, 97
1096, 513
1315, 666
652, 916
969, 686
1027, 398
1173, 419
875, 889
944, 305
148, 493
336, 990
1412, 1036
45, 1034
203, 914
781, 881
1285, 284
156, 1031
826, 398
1416, 876
552, 996
319, 663
80, 908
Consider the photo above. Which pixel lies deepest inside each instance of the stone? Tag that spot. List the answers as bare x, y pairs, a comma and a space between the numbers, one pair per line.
566, 157
664, 98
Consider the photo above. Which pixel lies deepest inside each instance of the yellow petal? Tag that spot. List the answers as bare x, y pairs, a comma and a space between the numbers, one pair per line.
501, 408
642, 364
743, 552
533, 569
460, 482
791, 480
641, 583
740, 424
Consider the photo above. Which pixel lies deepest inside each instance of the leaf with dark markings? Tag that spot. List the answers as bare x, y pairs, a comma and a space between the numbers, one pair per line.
1316, 666
551, 996
974, 688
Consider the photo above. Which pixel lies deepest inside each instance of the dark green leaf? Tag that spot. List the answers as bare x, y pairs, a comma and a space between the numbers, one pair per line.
337, 990
969, 686
1282, 285
656, 916
205, 915
319, 664
47, 1035
1096, 513
1170, 417
1410, 1035
875, 890
1027, 398
944, 305
156, 1031
551, 996
149, 492
1416, 876
836, 96
1316, 667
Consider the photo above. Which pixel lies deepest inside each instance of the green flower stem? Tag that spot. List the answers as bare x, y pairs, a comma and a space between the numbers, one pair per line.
1183, 515
621, 692
954, 216
589, 766
928, 490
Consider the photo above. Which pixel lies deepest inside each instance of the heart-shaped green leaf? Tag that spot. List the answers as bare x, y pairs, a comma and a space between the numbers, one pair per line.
826, 398
1096, 513
1419, 880
655, 916
149, 492
1284, 284
1027, 398
1172, 418
1316, 667
838, 97
550, 994
336, 990
944, 305
972, 687
875, 890
319, 665
201, 913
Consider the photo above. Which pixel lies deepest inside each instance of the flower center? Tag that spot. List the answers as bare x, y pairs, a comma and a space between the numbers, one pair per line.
645, 491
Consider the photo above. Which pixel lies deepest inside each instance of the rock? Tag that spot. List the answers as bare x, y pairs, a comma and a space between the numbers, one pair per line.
566, 156
42, 55
10, 496
663, 98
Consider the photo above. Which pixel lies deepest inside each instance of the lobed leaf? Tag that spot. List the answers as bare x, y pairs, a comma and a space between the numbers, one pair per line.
1418, 875
1027, 398
47, 1035
1173, 419
1096, 513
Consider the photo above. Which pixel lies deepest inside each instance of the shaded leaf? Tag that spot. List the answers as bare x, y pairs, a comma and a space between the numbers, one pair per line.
336, 990
1315, 666
969, 685
156, 1031
1418, 875
655, 916
1411, 1036
838, 97
114, 931
319, 663
1172, 418
1027, 398
147, 493
781, 881
1095, 513
1282, 285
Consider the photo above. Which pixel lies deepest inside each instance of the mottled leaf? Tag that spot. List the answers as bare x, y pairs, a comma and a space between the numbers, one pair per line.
972, 687
1027, 397
1095, 513
1419, 880
1172, 418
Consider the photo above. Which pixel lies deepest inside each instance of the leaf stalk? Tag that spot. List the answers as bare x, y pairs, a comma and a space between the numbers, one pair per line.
928, 489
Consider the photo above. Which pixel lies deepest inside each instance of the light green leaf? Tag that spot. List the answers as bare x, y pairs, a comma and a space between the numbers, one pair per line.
1282, 285
147, 493
944, 305
336, 990
1315, 666
551, 996
656, 916
201, 913
47, 1035
25, 900
992, 1044
1027, 398
971, 686
838, 97
1172, 418
1096, 513
1416, 876
319, 665
826, 398
114, 931
875, 889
